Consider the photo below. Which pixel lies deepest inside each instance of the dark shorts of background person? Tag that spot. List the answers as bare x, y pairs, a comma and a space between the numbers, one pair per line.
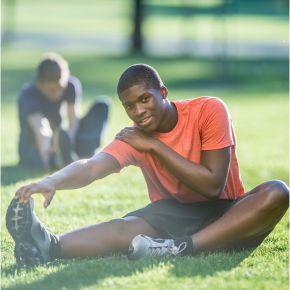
173, 219
87, 139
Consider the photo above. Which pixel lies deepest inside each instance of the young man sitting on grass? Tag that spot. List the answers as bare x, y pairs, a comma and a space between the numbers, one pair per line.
187, 153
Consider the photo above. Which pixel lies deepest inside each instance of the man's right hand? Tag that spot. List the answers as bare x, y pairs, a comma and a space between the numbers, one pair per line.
44, 187
75, 175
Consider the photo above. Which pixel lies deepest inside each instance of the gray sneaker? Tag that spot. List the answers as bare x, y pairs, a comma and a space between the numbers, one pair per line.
144, 246
32, 240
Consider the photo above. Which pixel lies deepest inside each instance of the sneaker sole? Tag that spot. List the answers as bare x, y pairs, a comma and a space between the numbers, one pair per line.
19, 223
26, 254
18, 219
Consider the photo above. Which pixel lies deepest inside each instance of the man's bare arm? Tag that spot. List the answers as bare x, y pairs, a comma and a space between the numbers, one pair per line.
43, 135
207, 178
73, 120
82, 172
78, 174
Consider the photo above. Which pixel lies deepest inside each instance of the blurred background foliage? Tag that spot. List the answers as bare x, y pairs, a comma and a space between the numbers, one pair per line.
177, 27
232, 41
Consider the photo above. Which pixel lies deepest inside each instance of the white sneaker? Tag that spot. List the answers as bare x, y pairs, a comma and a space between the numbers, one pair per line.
144, 246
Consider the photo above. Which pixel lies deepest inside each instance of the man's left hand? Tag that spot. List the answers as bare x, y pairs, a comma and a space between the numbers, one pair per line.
137, 138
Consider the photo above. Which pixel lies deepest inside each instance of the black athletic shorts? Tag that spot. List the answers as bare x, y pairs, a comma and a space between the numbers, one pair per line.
173, 219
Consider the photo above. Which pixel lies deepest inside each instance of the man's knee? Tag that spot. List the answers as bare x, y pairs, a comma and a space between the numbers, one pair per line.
124, 229
100, 109
120, 227
276, 196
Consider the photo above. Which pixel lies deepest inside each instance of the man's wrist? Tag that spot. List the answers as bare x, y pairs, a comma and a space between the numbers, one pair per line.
156, 146
51, 181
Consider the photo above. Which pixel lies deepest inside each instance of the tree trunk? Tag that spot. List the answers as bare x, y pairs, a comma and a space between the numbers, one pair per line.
137, 41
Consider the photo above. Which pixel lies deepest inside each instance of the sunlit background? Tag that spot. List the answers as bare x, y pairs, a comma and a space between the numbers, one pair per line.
204, 28
235, 49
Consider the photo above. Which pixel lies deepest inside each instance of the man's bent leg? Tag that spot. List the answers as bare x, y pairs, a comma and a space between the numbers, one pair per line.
91, 126
104, 238
256, 214
244, 225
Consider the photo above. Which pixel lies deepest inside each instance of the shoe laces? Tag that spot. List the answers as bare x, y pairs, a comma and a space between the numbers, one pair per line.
167, 248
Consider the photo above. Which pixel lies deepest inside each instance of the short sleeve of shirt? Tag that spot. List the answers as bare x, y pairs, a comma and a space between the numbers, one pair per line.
73, 91
29, 103
124, 153
215, 125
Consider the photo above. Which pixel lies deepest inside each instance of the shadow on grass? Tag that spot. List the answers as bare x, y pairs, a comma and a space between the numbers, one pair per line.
85, 273
14, 173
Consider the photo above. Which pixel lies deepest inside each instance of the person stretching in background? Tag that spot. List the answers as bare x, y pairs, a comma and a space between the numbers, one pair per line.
43, 143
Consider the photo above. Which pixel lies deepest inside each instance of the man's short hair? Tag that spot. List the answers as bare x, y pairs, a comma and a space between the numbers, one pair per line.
139, 74
53, 68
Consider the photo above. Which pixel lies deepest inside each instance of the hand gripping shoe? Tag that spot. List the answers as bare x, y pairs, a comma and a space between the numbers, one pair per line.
32, 240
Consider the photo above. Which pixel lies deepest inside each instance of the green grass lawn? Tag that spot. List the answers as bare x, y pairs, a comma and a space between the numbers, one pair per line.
256, 93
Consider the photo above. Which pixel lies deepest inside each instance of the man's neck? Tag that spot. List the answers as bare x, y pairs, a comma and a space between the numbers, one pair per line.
171, 118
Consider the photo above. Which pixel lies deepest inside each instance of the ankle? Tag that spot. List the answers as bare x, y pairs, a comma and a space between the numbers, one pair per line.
55, 247
189, 249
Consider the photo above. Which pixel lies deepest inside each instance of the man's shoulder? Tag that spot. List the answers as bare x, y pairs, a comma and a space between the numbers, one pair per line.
27, 89
30, 100
195, 103
73, 90
74, 82
28, 94
73, 79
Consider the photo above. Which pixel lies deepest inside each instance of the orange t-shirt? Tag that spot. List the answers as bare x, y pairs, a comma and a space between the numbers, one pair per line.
203, 124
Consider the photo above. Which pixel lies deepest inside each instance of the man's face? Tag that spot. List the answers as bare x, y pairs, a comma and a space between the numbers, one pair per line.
52, 90
145, 106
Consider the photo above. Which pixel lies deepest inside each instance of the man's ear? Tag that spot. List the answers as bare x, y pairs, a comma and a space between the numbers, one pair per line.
164, 92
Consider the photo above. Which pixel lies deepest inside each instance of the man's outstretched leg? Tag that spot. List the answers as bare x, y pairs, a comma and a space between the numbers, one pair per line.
35, 245
104, 238
245, 224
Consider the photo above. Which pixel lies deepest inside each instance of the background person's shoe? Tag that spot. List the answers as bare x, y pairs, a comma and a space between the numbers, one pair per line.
32, 240
144, 246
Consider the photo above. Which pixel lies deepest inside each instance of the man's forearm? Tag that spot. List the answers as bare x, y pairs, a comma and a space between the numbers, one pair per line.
75, 175
44, 147
43, 136
195, 176
82, 172
72, 130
